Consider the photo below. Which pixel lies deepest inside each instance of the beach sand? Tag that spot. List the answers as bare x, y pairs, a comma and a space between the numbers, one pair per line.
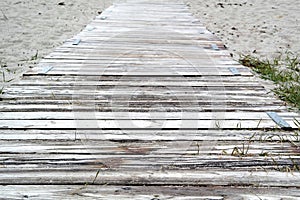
35, 27
258, 27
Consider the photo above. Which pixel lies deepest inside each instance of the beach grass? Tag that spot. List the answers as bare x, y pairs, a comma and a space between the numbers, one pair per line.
3, 71
283, 70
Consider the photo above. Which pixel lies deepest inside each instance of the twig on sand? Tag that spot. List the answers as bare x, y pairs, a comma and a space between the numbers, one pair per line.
5, 17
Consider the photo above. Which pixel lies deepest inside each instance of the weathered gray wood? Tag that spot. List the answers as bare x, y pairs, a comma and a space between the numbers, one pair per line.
140, 72
166, 80
144, 108
89, 192
149, 135
117, 89
139, 115
156, 35
166, 177
139, 124
150, 108
195, 152
113, 59
131, 82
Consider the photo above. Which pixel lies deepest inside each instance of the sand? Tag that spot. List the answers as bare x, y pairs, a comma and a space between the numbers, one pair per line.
258, 27
30, 27
36, 27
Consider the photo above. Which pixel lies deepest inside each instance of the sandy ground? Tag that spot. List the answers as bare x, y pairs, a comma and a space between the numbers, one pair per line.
35, 27
258, 27
30, 27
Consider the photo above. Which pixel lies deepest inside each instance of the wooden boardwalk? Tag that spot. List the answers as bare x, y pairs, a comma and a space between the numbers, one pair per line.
145, 103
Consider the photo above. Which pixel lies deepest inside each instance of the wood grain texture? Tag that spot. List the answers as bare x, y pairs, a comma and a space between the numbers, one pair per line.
144, 108
90, 192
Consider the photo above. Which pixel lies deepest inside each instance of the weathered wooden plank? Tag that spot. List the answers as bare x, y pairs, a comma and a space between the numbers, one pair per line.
112, 21
146, 44
120, 29
180, 39
135, 99
139, 108
90, 192
163, 178
119, 91
122, 60
131, 82
153, 162
150, 93
119, 88
142, 116
149, 135
171, 29
81, 100
166, 48
187, 54
106, 103
210, 97
166, 8
257, 149
157, 13
131, 70
146, 17
129, 67
117, 50
155, 35
149, 16
233, 79
185, 60
136, 47
133, 73
141, 45
140, 124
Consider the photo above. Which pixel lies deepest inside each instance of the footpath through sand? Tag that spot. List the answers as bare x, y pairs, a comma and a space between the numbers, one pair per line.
145, 103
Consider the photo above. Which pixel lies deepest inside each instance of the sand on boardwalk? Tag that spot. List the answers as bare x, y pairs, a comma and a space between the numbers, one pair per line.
259, 27
28, 27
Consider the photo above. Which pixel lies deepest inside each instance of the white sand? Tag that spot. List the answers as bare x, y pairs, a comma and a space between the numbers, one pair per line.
246, 26
263, 26
28, 26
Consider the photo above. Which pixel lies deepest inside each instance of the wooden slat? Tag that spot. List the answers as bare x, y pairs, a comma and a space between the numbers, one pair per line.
139, 115
167, 177
132, 60
126, 192
259, 149
141, 73
136, 83
150, 108
148, 135
139, 124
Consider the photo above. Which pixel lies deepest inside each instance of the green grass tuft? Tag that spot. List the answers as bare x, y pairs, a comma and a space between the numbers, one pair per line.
284, 70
